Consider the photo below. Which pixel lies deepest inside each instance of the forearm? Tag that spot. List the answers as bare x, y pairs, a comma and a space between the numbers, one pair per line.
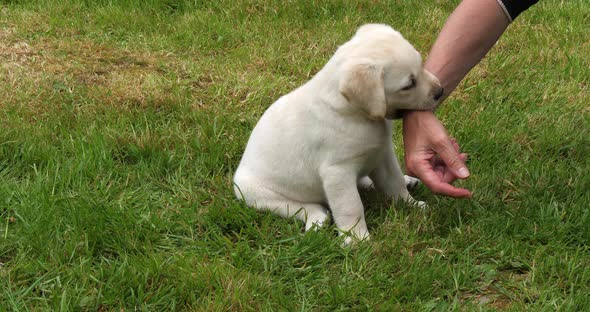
469, 33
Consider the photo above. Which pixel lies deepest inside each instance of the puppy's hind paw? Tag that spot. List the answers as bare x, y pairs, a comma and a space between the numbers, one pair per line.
316, 220
411, 182
365, 183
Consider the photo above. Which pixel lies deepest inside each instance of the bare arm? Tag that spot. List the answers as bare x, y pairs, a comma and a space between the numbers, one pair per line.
469, 33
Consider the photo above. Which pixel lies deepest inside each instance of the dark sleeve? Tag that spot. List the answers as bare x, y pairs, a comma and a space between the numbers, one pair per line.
513, 8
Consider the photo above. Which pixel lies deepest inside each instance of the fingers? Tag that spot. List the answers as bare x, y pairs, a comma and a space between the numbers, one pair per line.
455, 144
451, 191
463, 156
443, 171
438, 186
448, 150
444, 175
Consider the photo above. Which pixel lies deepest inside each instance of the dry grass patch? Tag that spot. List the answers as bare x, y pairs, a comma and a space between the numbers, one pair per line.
116, 78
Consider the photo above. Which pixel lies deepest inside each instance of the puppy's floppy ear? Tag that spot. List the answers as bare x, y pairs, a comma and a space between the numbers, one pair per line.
362, 85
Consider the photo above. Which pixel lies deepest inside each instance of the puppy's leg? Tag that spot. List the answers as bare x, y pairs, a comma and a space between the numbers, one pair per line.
345, 202
313, 215
389, 179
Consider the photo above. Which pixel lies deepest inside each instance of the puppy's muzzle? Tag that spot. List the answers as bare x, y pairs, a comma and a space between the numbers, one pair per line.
438, 94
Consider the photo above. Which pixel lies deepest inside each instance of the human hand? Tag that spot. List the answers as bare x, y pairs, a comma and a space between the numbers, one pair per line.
432, 156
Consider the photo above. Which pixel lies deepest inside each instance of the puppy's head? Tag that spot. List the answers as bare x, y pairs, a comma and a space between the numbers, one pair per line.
381, 73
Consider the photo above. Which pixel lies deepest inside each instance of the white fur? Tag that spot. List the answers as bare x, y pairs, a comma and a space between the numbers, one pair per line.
313, 145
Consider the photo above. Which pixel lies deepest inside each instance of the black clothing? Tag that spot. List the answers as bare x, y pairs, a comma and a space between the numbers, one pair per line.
513, 8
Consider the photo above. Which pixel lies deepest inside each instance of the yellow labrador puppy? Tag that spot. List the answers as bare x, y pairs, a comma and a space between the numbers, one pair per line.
312, 146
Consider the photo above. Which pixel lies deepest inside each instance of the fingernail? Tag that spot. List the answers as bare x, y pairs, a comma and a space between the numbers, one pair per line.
463, 172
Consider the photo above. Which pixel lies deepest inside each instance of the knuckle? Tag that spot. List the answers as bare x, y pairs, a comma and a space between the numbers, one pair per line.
440, 141
454, 160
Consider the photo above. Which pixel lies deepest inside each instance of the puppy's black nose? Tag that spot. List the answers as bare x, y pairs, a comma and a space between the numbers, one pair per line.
439, 94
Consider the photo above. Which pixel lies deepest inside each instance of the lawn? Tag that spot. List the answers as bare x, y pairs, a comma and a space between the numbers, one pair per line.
122, 122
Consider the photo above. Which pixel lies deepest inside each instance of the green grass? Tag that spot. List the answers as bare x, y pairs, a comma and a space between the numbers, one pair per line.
121, 123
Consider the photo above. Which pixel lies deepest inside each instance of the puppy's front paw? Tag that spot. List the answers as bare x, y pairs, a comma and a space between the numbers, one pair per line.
416, 203
420, 204
411, 182
352, 238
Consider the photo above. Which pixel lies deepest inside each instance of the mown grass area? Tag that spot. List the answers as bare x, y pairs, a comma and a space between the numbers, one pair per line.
121, 123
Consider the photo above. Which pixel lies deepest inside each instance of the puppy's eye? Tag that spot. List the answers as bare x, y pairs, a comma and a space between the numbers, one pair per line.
411, 85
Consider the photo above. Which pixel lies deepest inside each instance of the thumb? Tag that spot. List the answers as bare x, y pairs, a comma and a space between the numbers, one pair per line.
454, 161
